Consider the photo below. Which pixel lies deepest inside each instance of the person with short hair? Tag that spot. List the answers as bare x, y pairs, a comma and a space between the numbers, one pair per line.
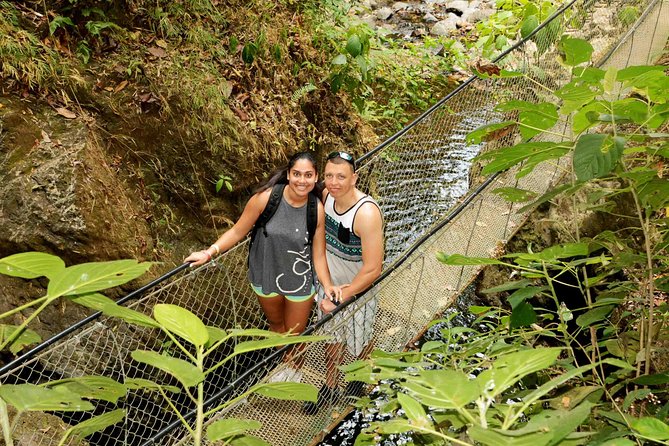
354, 252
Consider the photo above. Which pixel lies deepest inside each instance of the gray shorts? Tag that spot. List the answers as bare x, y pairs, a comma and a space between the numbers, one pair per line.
354, 326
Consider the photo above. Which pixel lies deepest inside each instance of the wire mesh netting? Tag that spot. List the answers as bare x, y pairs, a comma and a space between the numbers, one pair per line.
432, 200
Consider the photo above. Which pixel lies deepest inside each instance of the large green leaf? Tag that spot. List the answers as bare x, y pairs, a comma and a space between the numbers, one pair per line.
249, 346
146, 384
522, 315
185, 372
533, 118
354, 45
559, 423
575, 51
445, 389
182, 323
651, 428
230, 427
575, 95
129, 315
588, 116
522, 294
36, 398
595, 155
654, 194
594, 316
89, 277
554, 253
288, 391
29, 265
414, 410
27, 337
91, 387
528, 25
94, 301
248, 440
215, 335
96, 424
496, 437
508, 157
652, 380
508, 369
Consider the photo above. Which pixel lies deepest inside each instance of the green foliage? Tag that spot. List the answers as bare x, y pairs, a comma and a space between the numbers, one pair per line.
195, 342
502, 384
224, 180
192, 340
64, 282
27, 60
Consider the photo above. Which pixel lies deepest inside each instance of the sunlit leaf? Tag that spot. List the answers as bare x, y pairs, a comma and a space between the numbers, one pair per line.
146, 384
248, 440
96, 424
414, 410
594, 316
555, 252
508, 369
651, 427
215, 335
445, 389
182, 323
575, 51
508, 157
94, 301
29, 265
128, 315
340, 59
528, 25
230, 427
27, 337
36, 398
89, 277
91, 387
595, 155
185, 372
288, 391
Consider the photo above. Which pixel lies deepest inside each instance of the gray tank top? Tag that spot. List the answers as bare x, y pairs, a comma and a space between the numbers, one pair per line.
281, 261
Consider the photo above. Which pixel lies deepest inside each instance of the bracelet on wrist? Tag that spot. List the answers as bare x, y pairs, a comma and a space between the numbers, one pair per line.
216, 248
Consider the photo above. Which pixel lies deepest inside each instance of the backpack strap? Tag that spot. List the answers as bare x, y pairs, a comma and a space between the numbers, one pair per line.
269, 211
312, 216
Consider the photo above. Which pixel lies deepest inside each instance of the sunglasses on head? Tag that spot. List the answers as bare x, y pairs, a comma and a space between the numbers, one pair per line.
343, 155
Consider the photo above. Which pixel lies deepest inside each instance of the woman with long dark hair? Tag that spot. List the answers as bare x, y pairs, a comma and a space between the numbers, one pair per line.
282, 251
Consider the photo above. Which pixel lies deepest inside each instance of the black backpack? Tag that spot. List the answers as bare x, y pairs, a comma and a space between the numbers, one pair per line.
272, 206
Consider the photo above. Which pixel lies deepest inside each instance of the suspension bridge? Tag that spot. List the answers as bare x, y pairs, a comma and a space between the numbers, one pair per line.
419, 178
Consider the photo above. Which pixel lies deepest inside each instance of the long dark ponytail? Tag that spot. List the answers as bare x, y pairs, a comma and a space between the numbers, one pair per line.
281, 176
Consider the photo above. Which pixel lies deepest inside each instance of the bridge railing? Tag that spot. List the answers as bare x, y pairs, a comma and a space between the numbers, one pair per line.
432, 200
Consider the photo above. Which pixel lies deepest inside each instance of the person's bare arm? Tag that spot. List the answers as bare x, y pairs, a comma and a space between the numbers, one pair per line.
241, 228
